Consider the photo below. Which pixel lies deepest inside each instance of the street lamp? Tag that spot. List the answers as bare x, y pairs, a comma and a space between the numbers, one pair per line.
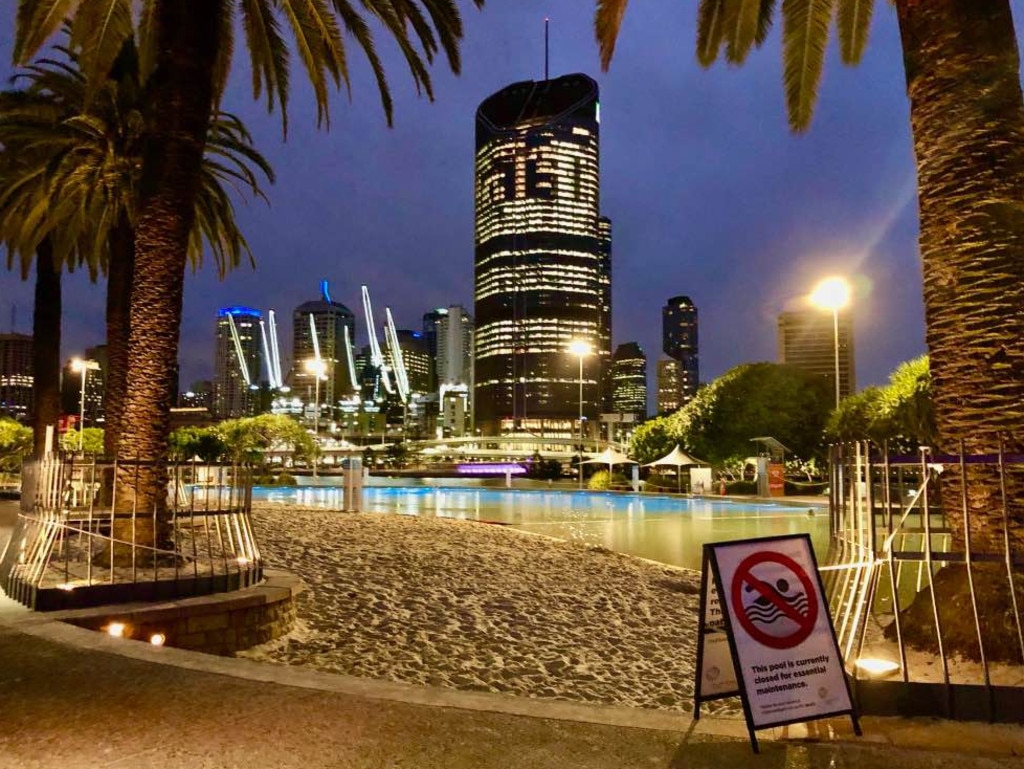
833, 294
316, 368
83, 367
581, 349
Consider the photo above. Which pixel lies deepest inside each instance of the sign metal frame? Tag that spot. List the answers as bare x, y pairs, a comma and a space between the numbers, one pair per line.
711, 570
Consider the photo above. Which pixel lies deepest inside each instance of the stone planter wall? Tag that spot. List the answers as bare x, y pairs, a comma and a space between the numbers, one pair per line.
221, 623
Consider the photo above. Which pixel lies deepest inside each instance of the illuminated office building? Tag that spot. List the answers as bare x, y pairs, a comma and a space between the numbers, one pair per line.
543, 258
236, 367
670, 386
807, 339
95, 387
679, 342
629, 381
16, 376
331, 321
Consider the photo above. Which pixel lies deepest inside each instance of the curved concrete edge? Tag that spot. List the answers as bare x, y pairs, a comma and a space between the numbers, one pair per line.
908, 733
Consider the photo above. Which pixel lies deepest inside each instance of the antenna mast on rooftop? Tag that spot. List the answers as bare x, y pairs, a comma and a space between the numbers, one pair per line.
547, 21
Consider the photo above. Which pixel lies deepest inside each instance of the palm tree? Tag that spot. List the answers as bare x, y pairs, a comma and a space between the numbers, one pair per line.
188, 50
967, 116
84, 175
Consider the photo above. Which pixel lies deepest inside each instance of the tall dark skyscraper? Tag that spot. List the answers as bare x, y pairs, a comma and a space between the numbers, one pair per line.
679, 342
331, 320
236, 374
807, 340
543, 258
16, 376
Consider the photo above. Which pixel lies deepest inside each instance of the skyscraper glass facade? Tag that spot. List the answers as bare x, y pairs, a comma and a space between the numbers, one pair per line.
330, 320
807, 340
543, 257
679, 342
237, 364
629, 380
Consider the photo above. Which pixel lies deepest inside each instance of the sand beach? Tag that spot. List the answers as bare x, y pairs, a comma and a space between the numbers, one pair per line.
481, 607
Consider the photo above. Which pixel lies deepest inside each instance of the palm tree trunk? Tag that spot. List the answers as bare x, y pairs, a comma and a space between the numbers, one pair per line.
967, 116
182, 102
119, 285
46, 347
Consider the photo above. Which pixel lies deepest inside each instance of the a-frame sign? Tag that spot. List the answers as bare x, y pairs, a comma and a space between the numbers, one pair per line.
766, 635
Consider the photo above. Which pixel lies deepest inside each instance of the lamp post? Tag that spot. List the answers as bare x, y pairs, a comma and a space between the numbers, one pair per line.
316, 368
833, 294
83, 367
581, 349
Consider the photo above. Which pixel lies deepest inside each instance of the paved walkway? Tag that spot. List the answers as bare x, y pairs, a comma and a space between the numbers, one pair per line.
70, 698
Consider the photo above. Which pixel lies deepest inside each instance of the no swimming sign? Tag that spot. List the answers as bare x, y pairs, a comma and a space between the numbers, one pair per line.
766, 598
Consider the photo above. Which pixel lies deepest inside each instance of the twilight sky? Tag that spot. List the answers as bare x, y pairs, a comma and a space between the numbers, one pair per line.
709, 193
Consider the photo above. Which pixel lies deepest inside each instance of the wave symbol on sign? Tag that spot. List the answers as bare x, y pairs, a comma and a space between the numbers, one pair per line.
764, 611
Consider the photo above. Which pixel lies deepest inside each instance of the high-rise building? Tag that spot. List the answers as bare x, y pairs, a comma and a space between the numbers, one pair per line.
679, 342
95, 387
670, 386
455, 347
807, 340
237, 363
543, 258
333, 322
629, 380
415, 357
455, 372
430, 322
16, 376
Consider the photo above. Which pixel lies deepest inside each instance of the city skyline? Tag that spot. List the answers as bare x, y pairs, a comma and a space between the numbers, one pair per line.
710, 194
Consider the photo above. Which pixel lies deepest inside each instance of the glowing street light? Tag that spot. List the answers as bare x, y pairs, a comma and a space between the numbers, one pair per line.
833, 294
83, 367
316, 368
581, 349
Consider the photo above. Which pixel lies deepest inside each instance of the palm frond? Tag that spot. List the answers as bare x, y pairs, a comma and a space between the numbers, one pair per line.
225, 52
444, 15
309, 23
853, 20
741, 33
711, 18
607, 23
356, 26
99, 30
765, 21
37, 20
804, 40
268, 53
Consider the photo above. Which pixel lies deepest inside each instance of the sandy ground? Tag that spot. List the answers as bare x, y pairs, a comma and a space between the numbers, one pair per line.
481, 607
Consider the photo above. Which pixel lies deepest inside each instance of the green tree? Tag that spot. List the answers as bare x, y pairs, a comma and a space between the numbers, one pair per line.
89, 441
15, 445
962, 68
900, 413
652, 440
187, 443
248, 439
187, 51
750, 401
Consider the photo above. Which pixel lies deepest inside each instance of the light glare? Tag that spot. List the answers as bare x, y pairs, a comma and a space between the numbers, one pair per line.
831, 294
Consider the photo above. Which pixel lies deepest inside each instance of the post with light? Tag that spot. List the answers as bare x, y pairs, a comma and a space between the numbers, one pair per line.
83, 367
833, 294
581, 349
316, 368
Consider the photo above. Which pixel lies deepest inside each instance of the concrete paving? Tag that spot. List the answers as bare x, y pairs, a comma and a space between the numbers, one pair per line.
71, 698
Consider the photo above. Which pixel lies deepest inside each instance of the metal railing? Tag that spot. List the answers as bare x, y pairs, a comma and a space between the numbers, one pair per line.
82, 540
911, 592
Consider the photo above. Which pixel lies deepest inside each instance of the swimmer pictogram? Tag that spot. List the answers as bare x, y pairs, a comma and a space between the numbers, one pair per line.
774, 600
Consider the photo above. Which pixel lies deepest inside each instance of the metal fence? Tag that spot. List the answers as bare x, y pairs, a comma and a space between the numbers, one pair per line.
930, 623
81, 540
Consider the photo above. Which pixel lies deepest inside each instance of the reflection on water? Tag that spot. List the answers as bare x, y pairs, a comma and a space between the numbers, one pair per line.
664, 529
